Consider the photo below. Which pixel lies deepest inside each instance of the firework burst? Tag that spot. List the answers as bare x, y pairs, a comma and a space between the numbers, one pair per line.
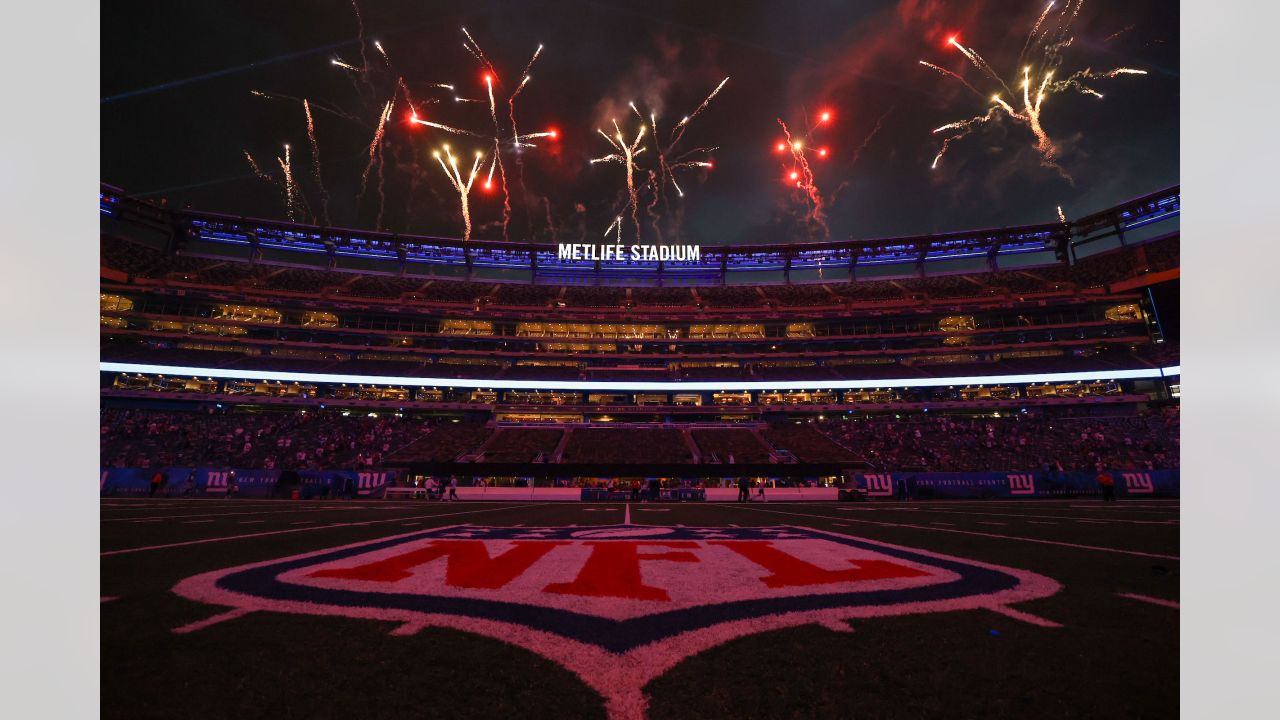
375, 144
452, 171
668, 158
1049, 37
293, 198
625, 154
257, 169
797, 168
315, 162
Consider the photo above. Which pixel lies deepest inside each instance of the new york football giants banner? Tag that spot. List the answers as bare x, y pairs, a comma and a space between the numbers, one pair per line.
925, 485
246, 482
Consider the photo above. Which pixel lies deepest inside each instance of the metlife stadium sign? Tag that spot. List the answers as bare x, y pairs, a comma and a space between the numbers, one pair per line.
635, 253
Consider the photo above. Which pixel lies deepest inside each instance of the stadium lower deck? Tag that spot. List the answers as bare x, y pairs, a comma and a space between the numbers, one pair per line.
1100, 639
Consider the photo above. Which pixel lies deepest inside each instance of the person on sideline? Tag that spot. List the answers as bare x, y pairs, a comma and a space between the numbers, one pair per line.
1107, 483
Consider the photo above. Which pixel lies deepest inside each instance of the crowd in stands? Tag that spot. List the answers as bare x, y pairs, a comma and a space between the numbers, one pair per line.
1021, 441
315, 439
1061, 440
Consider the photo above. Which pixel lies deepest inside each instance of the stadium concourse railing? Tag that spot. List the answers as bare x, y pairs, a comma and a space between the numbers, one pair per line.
1134, 222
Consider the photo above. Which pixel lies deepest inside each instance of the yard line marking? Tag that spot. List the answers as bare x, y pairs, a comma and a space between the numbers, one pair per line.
626, 520
1024, 616
202, 624
1092, 522
147, 521
653, 509
305, 529
984, 522
196, 522
1040, 522
251, 522
108, 598
300, 522
973, 532
1148, 599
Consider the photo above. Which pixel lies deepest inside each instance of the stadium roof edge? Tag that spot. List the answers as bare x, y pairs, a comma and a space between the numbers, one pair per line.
1094, 219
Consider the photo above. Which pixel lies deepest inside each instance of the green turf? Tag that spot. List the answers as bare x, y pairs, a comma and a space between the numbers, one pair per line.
1113, 657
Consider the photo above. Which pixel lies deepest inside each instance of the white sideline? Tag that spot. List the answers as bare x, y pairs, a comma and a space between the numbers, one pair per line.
302, 529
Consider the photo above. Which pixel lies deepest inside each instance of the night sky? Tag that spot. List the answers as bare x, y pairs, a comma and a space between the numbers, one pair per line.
185, 139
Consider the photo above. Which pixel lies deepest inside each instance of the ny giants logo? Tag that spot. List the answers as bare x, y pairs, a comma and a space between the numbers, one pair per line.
617, 605
367, 482
1138, 483
879, 485
1022, 485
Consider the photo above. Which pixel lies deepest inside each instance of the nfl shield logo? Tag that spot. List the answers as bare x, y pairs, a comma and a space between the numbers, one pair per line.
617, 605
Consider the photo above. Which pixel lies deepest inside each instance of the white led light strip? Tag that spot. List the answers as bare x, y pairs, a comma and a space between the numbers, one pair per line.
607, 385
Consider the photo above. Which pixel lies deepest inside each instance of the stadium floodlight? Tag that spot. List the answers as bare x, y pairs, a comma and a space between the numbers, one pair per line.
625, 386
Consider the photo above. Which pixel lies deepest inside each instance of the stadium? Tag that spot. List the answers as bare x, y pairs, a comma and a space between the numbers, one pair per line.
255, 373
714, 366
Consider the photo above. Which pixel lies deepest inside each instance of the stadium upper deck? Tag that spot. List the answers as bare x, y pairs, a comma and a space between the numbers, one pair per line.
270, 304
196, 234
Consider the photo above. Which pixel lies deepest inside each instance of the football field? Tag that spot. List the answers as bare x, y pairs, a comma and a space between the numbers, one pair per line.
216, 608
